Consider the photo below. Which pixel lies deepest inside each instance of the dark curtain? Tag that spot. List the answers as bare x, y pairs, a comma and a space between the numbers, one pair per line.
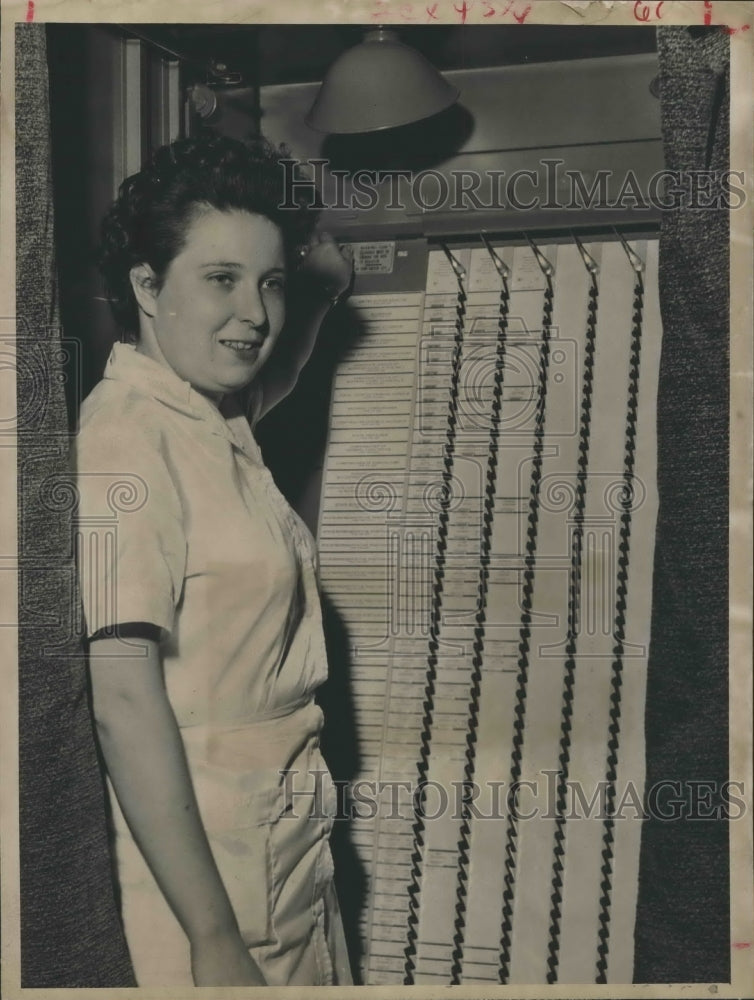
682, 928
70, 933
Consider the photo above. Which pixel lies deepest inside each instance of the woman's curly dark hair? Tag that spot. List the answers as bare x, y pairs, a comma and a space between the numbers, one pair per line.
147, 223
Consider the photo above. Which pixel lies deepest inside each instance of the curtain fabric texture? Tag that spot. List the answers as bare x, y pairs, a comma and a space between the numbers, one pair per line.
70, 932
682, 929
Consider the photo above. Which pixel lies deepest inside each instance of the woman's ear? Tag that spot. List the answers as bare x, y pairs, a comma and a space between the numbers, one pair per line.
144, 284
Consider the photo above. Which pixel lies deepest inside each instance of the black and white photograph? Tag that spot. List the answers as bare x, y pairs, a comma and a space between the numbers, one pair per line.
378, 498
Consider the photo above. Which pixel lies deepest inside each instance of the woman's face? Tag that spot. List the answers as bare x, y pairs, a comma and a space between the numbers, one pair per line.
221, 306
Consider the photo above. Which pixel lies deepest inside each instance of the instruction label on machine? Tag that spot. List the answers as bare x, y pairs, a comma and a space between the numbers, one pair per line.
374, 258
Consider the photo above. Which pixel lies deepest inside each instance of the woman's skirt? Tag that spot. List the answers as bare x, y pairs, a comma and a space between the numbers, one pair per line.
268, 803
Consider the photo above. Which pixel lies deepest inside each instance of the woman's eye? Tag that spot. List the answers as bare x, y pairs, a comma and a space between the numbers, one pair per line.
276, 284
223, 279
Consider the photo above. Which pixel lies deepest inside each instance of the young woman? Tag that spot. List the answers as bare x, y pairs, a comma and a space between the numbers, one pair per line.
199, 582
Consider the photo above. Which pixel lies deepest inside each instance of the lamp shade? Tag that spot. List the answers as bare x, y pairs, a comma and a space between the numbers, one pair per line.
379, 84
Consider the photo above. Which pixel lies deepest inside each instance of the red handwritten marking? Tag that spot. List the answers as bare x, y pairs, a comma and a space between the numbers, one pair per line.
727, 30
643, 11
412, 11
742, 944
463, 10
30, 10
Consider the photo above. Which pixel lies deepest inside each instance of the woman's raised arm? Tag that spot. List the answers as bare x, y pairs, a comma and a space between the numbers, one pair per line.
325, 274
147, 766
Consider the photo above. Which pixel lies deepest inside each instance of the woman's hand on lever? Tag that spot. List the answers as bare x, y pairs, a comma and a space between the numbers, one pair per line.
327, 266
147, 765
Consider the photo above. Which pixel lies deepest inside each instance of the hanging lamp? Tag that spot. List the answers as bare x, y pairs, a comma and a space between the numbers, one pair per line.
379, 84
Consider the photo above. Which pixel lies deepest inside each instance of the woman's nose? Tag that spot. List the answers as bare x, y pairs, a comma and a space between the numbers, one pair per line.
250, 307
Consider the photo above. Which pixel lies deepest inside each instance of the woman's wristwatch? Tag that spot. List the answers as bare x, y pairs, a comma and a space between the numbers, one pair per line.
337, 297
317, 290
332, 296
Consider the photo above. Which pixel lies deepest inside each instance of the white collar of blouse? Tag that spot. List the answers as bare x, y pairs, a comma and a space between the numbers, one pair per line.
150, 378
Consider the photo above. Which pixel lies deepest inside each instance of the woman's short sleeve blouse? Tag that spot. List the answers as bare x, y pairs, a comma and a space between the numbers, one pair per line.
180, 525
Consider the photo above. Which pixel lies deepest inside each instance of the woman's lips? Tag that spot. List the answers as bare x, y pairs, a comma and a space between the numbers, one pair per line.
243, 348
